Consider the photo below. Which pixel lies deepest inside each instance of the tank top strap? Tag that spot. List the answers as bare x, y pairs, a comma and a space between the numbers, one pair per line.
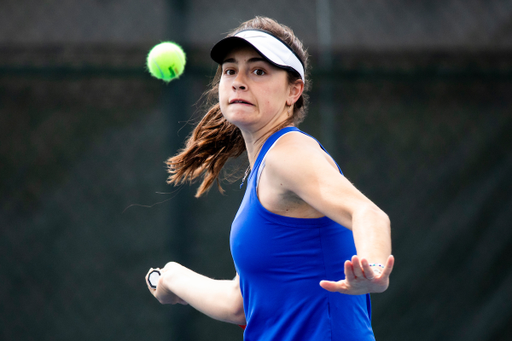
268, 144
325, 150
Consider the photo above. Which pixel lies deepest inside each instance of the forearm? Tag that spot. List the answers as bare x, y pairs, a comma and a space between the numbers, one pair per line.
219, 299
372, 234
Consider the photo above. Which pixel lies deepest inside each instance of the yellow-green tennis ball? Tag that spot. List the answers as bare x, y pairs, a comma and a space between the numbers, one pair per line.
166, 61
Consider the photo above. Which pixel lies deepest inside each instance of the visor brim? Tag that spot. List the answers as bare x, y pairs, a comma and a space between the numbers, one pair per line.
269, 47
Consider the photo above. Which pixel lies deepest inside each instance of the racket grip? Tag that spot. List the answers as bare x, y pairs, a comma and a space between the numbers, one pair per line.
153, 278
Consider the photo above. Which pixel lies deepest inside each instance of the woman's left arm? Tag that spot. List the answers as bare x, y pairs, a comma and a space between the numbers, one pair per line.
319, 183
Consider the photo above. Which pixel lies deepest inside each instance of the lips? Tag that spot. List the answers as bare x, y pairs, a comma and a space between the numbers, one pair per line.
239, 101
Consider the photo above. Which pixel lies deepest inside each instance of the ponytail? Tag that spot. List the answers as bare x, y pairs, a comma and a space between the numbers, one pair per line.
213, 141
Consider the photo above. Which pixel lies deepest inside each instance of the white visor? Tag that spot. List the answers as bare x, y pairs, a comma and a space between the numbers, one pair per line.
270, 47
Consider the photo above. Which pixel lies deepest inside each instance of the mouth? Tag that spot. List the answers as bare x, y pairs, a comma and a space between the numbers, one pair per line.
239, 101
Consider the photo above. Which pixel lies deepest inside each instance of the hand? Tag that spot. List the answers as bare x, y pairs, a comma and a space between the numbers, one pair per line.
162, 292
360, 278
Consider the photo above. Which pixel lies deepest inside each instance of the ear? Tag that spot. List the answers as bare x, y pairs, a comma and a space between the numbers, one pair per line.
295, 91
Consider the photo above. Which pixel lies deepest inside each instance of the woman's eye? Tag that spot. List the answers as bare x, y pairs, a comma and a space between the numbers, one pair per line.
229, 72
259, 72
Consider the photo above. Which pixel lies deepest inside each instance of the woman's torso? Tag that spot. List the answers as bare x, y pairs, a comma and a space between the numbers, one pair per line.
281, 260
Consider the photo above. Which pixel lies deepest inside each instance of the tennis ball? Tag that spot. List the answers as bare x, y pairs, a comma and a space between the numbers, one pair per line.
166, 61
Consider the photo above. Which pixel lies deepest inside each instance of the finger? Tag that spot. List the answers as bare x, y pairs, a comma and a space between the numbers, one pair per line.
147, 278
368, 271
329, 286
356, 266
349, 271
147, 275
389, 266
154, 278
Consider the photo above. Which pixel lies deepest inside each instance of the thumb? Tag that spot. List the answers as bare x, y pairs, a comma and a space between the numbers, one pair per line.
329, 286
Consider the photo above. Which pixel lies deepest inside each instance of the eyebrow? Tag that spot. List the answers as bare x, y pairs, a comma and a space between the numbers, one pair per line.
251, 60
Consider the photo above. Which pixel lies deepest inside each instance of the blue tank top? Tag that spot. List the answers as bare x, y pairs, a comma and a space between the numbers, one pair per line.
281, 261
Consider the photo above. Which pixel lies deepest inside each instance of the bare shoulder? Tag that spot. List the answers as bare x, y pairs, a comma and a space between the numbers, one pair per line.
288, 167
297, 176
296, 151
294, 144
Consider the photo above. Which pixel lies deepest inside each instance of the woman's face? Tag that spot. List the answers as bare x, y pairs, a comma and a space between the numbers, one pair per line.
253, 93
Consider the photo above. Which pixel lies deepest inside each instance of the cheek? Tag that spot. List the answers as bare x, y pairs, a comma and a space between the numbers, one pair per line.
222, 88
223, 94
275, 97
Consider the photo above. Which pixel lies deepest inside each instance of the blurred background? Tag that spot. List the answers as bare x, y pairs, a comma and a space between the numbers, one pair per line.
412, 98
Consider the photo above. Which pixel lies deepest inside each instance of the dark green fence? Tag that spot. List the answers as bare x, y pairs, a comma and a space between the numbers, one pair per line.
85, 211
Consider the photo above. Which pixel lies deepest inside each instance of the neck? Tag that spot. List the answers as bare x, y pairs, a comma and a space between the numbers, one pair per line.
254, 139
253, 144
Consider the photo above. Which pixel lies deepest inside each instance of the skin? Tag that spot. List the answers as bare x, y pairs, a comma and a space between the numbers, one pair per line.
256, 97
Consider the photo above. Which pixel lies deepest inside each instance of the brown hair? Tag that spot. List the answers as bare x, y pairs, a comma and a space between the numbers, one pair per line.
214, 140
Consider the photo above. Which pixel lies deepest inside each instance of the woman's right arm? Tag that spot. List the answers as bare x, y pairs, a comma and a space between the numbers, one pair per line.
219, 299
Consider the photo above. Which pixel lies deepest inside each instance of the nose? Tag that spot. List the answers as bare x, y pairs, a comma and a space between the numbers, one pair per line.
239, 82
238, 87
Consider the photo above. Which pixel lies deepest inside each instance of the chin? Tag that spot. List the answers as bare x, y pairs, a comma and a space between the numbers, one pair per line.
239, 118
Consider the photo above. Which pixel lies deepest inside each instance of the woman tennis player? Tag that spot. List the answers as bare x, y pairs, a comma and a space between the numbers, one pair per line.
308, 247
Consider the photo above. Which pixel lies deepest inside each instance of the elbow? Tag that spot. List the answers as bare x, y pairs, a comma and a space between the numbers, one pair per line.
378, 216
238, 316
235, 306
235, 314
384, 218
